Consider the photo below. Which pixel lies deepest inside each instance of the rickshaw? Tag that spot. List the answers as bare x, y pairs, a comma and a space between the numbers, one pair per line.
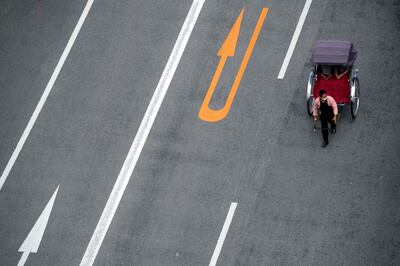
332, 70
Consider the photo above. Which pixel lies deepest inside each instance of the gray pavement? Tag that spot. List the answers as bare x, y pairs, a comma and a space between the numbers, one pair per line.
33, 36
298, 204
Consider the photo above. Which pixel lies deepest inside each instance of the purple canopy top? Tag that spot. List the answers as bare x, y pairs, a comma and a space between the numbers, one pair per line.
333, 53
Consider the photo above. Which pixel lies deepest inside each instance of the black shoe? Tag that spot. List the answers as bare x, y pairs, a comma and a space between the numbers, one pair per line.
324, 144
333, 130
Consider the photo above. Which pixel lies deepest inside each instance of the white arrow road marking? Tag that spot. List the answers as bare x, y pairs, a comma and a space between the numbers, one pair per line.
141, 135
32, 241
46, 93
295, 37
223, 234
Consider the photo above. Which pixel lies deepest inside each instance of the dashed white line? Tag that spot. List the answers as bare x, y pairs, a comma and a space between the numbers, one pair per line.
223, 234
46, 93
295, 37
141, 136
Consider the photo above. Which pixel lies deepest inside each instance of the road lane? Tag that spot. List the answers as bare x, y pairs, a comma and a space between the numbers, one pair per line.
189, 170
142, 134
264, 155
86, 127
45, 94
260, 157
33, 36
295, 37
339, 205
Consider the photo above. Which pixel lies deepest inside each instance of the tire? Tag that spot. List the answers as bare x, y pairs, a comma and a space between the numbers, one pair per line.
355, 103
310, 104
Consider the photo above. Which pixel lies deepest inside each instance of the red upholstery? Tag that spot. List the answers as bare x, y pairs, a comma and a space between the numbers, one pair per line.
339, 89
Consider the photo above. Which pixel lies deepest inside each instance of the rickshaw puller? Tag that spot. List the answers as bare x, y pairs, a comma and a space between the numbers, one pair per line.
328, 114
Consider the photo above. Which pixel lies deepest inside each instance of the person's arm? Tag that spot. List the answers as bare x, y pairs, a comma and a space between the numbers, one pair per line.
326, 76
315, 111
334, 107
345, 72
339, 76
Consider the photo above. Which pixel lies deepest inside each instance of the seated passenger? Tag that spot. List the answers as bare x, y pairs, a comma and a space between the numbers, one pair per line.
326, 72
340, 71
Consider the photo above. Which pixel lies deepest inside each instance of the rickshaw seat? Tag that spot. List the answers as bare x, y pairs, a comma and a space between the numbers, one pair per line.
339, 89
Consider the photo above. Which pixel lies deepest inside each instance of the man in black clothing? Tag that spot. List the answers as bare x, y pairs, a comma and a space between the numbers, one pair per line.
327, 107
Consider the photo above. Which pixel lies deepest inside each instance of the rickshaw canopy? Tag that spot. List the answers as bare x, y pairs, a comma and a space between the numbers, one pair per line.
333, 52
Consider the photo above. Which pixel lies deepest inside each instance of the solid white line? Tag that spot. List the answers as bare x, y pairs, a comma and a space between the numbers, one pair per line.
223, 234
141, 136
295, 37
46, 93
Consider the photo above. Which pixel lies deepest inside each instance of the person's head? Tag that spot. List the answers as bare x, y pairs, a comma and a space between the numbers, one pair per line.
323, 95
342, 68
326, 70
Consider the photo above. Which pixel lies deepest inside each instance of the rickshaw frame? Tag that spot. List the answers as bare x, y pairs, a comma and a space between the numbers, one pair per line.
334, 53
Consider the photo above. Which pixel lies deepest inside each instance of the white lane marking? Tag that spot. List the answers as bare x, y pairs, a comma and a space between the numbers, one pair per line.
32, 241
141, 136
295, 37
223, 234
46, 93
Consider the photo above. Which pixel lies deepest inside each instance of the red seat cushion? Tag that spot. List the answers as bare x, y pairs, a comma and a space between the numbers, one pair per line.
339, 89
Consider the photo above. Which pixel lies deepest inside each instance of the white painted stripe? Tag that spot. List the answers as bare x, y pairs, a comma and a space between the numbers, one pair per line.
46, 93
223, 234
32, 241
23, 259
295, 37
141, 136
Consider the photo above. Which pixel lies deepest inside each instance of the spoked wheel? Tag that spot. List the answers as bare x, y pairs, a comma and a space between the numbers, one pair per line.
355, 103
310, 105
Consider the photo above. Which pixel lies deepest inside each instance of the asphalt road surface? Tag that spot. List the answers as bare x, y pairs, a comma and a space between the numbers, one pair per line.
297, 203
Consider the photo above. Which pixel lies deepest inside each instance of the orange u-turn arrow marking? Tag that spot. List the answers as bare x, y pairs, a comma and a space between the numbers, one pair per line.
228, 50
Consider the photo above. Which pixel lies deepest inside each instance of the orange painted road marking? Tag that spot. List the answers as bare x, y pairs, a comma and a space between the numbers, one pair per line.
228, 50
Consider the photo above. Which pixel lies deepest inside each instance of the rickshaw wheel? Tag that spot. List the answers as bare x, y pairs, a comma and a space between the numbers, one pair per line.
310, 105
355, 103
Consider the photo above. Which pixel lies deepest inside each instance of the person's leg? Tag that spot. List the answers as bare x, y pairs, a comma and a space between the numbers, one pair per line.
324, 126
